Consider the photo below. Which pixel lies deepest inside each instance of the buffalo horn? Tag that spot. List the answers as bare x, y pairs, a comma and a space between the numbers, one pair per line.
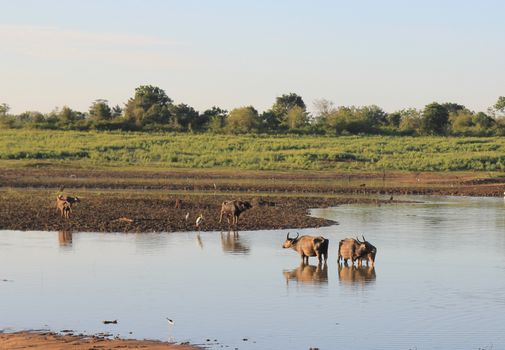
287, 237
364, 240
297, 235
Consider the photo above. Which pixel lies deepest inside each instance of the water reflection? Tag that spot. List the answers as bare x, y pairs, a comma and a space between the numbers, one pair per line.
308, 274
199, 240
65, 238
352, 275
231, 243
424, 287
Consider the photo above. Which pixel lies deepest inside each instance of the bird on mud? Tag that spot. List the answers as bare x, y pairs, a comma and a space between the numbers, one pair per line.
199, 221
186, 217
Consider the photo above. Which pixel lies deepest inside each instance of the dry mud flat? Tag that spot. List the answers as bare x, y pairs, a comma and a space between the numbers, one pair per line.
53, 341
144, 201
137, 212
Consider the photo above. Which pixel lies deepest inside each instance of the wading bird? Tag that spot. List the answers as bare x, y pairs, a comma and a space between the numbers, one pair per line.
199, 221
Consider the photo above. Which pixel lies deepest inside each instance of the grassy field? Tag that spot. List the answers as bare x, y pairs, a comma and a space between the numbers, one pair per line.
168, 150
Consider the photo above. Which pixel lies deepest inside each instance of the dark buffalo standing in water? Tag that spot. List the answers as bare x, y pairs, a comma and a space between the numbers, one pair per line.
308, 246
234, 209
356, 250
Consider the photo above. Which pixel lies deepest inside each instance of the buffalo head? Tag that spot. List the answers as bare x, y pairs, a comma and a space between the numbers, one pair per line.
290, 241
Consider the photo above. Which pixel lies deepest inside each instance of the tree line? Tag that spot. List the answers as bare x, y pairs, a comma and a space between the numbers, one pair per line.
150, 109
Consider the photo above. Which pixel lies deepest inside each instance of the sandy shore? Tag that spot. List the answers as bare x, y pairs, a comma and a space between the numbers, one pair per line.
53, 341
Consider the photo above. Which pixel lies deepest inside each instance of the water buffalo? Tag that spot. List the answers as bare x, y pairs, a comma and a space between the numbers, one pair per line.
233, 208
65, 208
308, 274
71, 200
308, 246
354, 249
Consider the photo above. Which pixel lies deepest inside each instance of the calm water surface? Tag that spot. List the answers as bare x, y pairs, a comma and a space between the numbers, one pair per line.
439, 282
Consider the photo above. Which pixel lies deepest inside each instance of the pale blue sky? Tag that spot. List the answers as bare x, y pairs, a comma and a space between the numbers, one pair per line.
228, 53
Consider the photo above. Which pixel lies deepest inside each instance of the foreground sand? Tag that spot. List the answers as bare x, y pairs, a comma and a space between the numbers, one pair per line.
52, 341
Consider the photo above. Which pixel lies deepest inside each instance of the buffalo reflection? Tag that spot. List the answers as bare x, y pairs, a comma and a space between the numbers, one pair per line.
359, 275
308, 274
65, 238
231, 243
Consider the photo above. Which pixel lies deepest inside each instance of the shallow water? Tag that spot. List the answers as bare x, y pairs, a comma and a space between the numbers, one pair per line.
439, 282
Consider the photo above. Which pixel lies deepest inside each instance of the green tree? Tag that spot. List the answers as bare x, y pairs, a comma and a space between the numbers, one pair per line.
100, 110
323, 111
31, 117
296, 118
243, 120
287, 101
149, 105
483, 121
213, 119
4, 109
411, 121
116, 111
68, 116
453, 107
461, 122
184, 117
276, 116
499, 106
435, 119
374, 115
394, 119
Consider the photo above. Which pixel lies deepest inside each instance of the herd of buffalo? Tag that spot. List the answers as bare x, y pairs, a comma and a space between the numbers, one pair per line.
352, 249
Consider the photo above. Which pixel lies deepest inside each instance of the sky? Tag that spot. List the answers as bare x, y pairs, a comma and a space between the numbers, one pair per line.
232, 53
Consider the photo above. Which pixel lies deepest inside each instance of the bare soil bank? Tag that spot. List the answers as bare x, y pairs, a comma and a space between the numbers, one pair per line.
144, 201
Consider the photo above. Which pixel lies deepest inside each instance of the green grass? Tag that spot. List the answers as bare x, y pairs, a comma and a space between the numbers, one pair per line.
170, 150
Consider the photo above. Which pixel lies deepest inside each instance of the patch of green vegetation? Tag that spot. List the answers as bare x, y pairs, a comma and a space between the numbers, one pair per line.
253, 152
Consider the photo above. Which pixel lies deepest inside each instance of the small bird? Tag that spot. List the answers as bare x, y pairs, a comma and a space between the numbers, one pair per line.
170, 321
186, 217
199, 221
